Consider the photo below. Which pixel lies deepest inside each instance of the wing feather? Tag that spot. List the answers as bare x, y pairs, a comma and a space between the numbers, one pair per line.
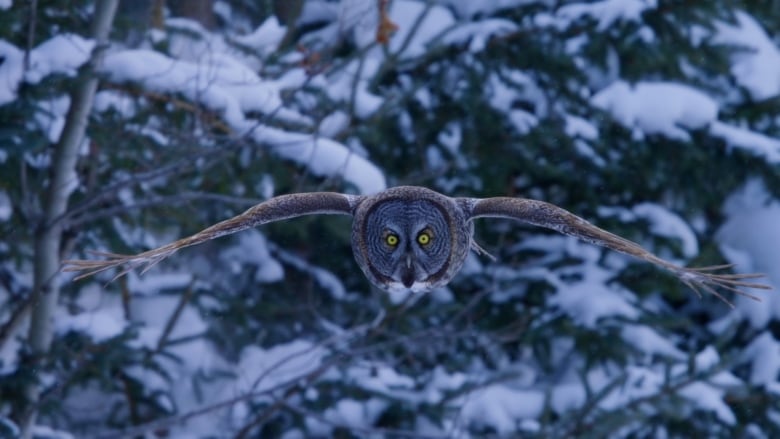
275, 209
548, 215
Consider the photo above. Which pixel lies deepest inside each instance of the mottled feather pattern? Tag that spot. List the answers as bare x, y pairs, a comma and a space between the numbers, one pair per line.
548, 215
412, 267
275, 209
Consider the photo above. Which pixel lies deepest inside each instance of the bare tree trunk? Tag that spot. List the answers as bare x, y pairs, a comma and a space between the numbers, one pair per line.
48, 236
201, 11
287, 12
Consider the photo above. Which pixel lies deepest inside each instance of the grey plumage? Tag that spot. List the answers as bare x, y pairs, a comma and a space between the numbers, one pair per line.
413, 238
407, 210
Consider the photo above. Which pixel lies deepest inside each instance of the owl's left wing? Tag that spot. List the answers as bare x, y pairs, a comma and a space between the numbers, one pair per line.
548, 215
275, 209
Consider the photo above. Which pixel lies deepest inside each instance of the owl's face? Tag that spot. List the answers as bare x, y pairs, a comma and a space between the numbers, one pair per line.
406, 242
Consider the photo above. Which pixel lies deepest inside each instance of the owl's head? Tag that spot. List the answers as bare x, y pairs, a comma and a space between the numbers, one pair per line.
410, 238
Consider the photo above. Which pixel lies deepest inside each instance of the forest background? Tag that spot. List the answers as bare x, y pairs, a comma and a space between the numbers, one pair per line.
125, 125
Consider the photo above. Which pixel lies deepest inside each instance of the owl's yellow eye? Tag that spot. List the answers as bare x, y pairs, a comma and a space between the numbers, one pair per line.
391, 239
424, 238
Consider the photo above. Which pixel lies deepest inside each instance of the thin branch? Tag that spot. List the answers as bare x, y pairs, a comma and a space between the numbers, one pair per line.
169, 422
365, 431
31, 25
17, 317
172, 320
90, 215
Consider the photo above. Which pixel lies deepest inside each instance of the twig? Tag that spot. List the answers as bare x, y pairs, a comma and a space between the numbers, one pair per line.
366, 431
30, 33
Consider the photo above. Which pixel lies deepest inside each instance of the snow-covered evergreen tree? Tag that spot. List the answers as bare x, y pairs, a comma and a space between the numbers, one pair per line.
655, 119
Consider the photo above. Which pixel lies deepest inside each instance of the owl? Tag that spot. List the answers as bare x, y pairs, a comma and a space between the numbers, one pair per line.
411, 238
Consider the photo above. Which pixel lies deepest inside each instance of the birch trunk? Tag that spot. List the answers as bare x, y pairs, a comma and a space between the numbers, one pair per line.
48, 235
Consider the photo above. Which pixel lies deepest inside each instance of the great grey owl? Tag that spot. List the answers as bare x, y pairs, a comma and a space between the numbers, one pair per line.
413, 238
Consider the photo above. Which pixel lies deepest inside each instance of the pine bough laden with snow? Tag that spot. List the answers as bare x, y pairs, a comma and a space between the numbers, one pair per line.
653, 119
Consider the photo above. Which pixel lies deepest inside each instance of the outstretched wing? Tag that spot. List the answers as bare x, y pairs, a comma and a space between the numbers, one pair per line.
553, 217
275, 209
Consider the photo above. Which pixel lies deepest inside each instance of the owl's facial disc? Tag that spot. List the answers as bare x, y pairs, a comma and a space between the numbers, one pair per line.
407, 245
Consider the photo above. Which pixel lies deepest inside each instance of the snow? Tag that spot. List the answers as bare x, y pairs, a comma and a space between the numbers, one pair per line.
334, 124
757, 143
579, 127
512, 86
221, 84
663, 222
756, 62
500, 407
649, 341
751, 233
607, 12
62, 54
588, 297
100, 325
11, 71
478, 33
442, 381
316, 11
252, 250
523, 121
451, 137
266, 38
380, 378
107, 100
657, 107
358, 19
471, 8
42, 431
349, 412
50, 117
582, 130
6, 208
324, 157
710, 398
419, 24
154, 283
352, 413
351, 85
262, 369
231, 89
763, 354
325, 279
214, 76
567, 396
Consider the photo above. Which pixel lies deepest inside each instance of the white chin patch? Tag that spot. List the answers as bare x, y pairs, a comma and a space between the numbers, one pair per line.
417, 287
398, 292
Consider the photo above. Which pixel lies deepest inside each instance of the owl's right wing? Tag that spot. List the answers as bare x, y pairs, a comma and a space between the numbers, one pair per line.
275, 209
548, 215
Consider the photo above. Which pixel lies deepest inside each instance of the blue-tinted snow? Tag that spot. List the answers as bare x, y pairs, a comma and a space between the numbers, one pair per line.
750, 238
229, 84
663, 222
61, 54
230, 89
756, 63
658, 107
763, 354
606, 12
6, 208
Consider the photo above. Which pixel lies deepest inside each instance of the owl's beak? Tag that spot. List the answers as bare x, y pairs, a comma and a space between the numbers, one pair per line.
407, 272
407, 277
